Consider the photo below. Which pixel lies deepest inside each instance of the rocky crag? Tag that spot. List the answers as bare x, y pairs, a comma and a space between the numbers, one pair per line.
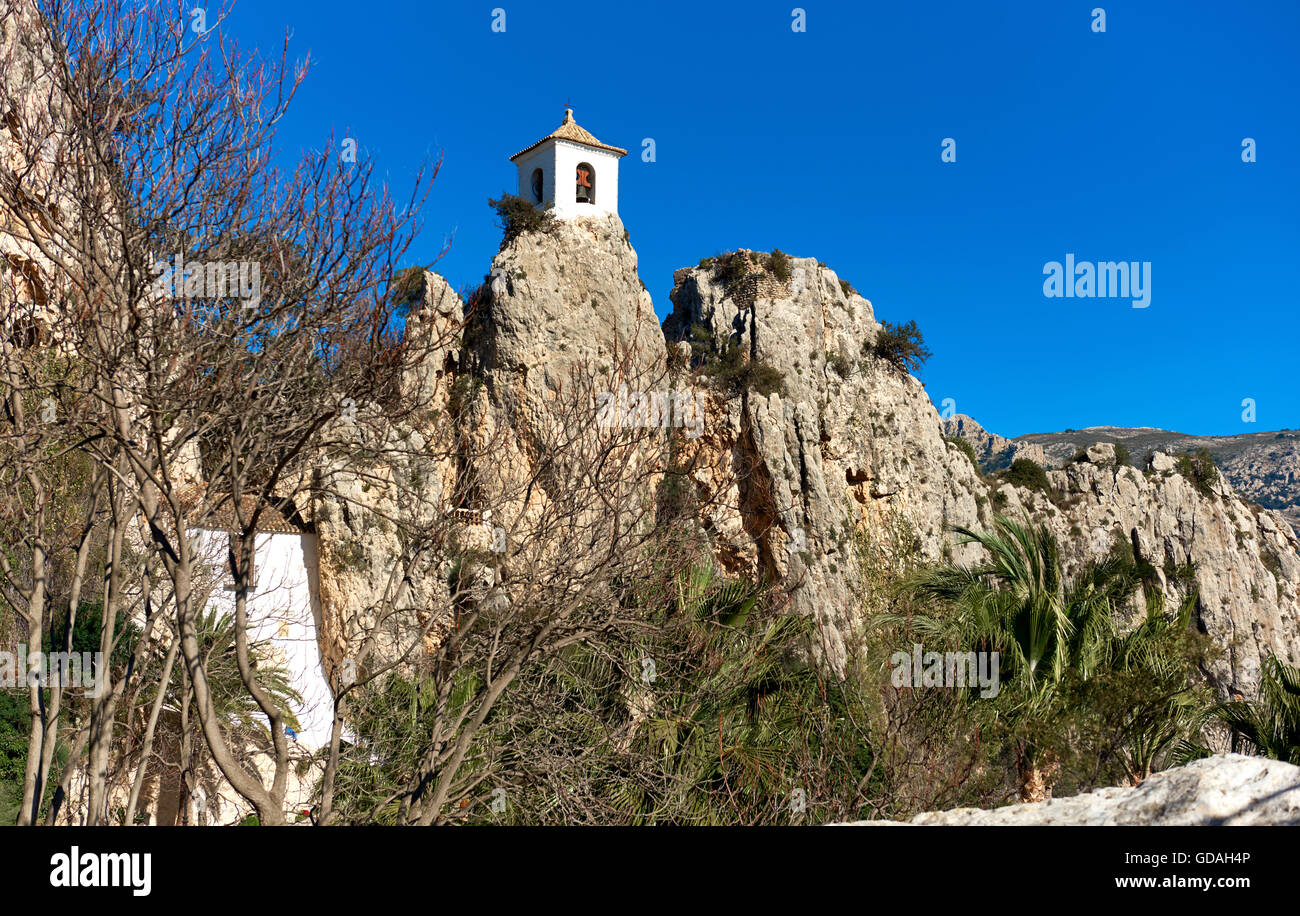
499, 386
1264, 467
994, 452
846, 453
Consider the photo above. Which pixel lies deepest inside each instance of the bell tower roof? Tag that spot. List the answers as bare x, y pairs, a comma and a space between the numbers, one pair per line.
571, 131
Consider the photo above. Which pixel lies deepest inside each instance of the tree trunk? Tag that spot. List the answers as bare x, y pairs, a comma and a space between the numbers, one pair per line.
1038, 773
152, 726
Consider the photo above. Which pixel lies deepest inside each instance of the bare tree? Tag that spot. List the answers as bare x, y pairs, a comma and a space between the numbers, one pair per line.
219, 313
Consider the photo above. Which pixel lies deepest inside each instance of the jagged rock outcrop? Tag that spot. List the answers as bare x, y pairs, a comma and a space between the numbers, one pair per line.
853, 448
507, 386
849, 455
994, 452
1226, 790
1264, 467
565, 322
1243, 560
566, 300
382, 473
845, 453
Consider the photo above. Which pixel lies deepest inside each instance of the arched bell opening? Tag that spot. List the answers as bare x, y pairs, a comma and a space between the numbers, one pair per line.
585, 189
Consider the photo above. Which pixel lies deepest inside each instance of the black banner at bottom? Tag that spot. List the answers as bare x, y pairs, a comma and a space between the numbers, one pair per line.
649, 866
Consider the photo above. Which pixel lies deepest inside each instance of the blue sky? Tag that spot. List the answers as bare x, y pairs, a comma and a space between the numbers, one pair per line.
1122, 145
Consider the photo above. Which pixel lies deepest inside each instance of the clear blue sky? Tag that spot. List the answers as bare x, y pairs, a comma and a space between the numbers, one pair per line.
1117, 146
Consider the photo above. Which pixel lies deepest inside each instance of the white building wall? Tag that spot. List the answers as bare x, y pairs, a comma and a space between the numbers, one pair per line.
284, 608
541, 158
559, 160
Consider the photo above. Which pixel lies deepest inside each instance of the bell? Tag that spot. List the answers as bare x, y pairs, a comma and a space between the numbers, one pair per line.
584, 195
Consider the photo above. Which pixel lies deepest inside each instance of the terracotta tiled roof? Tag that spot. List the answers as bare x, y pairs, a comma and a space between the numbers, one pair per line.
221, 515
569, 130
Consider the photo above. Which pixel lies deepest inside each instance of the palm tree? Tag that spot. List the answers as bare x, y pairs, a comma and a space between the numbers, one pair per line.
707, 708
1019, 602
240, 717
1164, 725
1271, 724
238, 712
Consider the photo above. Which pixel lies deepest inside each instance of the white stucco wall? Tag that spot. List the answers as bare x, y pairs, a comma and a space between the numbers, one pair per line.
284, 608
541, 158
561, 158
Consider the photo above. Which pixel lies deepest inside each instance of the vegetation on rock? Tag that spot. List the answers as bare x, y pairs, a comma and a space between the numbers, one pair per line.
1028, 474
1269, 726
964, 446
1068, 669
1200, 469
731, 369
899, 345
517, 217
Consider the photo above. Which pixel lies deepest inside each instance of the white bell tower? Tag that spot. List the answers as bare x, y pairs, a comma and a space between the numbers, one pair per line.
570, 172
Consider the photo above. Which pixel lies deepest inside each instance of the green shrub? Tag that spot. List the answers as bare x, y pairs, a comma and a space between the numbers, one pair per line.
405, 287
737, 373
1122, 455
839, 363
517, 216
1270, 725
900, 345
14, 723
1184, 574
732, 671
731, 369
1027, 474
730, 268
965, 448
1199, 468
778, 264
464, 388
1070, 670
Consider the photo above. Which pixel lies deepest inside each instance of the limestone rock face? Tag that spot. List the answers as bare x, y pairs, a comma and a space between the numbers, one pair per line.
567, 320
500, 382
1226, 790
565, 299
380, 473
852, 454
565, 323
846, 456
799, 477
1264, 467
1247, 569
1244, 560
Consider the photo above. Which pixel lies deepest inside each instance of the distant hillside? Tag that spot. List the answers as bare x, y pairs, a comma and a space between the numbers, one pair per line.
1264, 467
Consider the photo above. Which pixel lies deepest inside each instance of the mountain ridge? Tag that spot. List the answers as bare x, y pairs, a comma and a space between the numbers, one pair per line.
1263, 466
